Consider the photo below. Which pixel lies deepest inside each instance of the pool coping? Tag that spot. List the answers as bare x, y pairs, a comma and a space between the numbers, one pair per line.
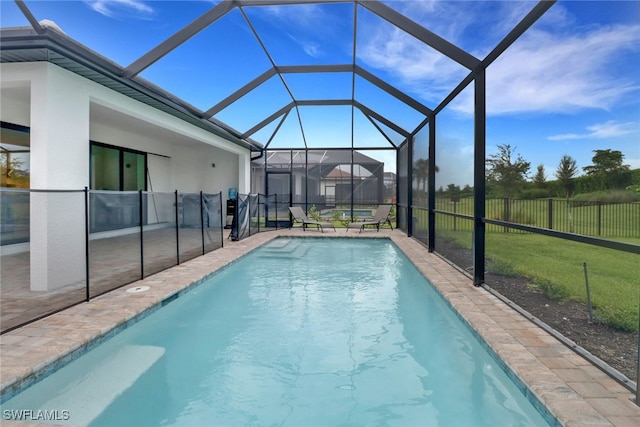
572, 389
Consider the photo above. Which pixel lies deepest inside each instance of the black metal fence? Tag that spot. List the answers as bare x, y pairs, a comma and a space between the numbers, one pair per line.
63, 247
588, 218
256, 213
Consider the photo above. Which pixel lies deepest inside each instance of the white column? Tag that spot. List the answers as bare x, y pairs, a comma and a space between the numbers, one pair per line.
59, 161
244, 173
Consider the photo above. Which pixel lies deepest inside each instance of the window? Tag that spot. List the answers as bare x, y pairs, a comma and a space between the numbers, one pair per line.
14, 155
117, 169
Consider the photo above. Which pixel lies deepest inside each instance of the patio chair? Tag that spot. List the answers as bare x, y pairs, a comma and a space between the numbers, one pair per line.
299, 216
380, 218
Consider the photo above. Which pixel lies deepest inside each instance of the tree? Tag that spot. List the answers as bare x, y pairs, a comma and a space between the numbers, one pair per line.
607, 168
540, 179
12, 172
508, 175
567, 169
421, 173
565, 173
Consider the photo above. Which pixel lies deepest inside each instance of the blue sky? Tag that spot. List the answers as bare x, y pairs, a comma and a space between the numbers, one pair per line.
570, 85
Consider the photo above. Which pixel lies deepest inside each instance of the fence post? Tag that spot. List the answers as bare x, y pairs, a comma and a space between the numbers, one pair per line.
249, 212
276, 203
141, 235
506, 215
550, 213
86, 241
177, 229
455, 211
258, 210
599, 218
638, 362
202, 220
221, 220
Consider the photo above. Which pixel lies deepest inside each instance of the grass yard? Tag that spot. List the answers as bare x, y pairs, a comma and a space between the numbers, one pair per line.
556, 266
614, 220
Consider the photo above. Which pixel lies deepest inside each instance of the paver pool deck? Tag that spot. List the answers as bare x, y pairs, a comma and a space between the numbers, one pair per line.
574, 391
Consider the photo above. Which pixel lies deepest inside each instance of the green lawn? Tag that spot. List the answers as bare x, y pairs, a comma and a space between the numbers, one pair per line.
613, 220
556, 266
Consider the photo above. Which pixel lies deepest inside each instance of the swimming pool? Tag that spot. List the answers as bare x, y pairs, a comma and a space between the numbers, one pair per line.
346, 212
299, 332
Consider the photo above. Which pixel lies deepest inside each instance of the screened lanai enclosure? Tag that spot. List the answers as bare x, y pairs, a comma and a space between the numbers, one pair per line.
346, 105
325, 179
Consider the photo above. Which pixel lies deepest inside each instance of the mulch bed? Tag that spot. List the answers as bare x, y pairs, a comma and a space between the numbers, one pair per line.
616, 348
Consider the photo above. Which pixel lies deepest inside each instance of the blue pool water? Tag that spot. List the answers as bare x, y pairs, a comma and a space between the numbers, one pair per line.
347, 212
300, 332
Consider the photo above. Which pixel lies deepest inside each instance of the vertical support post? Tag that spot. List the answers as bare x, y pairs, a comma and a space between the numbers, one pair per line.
275, 202
599, 218
455, 218
221, 220
249, 213
479, 156
506, 214
638, 361
258, 196
306, 181
410, 186
586, 282
202, 220
431, 196
177, 229
550, 213
86, 241
141, 235
353, 187
397, 187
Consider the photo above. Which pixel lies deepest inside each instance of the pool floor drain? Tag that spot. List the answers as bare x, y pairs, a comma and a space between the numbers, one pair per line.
138, 289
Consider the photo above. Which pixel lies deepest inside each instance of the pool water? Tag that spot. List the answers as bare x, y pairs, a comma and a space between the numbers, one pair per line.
346, 213
300, 332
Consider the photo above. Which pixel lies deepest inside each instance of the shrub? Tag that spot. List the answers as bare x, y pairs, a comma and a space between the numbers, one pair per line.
338, 217
613, 196
314, 213
617, 317
535, 193
518, 215
501, 268
634, 188
552, 290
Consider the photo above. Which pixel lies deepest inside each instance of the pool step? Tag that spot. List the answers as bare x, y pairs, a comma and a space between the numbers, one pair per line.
284, 248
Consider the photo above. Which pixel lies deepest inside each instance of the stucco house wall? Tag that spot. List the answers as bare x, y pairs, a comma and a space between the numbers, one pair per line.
64, 112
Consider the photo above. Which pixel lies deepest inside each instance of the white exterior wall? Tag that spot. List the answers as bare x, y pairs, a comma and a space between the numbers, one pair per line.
66, 111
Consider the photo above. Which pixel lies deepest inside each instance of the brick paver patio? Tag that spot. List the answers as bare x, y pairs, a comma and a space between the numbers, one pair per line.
572, 389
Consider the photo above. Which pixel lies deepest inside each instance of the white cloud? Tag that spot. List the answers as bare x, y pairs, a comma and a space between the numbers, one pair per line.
311, 48
414, 63
553, 67
315, 20
610, 129
310, 26
548, 72
421, 70
111, 8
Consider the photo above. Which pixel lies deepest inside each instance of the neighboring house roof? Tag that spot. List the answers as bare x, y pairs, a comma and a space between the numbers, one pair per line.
317, 157
338, 173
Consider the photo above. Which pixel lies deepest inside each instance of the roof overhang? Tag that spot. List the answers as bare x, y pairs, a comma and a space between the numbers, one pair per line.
22, 45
